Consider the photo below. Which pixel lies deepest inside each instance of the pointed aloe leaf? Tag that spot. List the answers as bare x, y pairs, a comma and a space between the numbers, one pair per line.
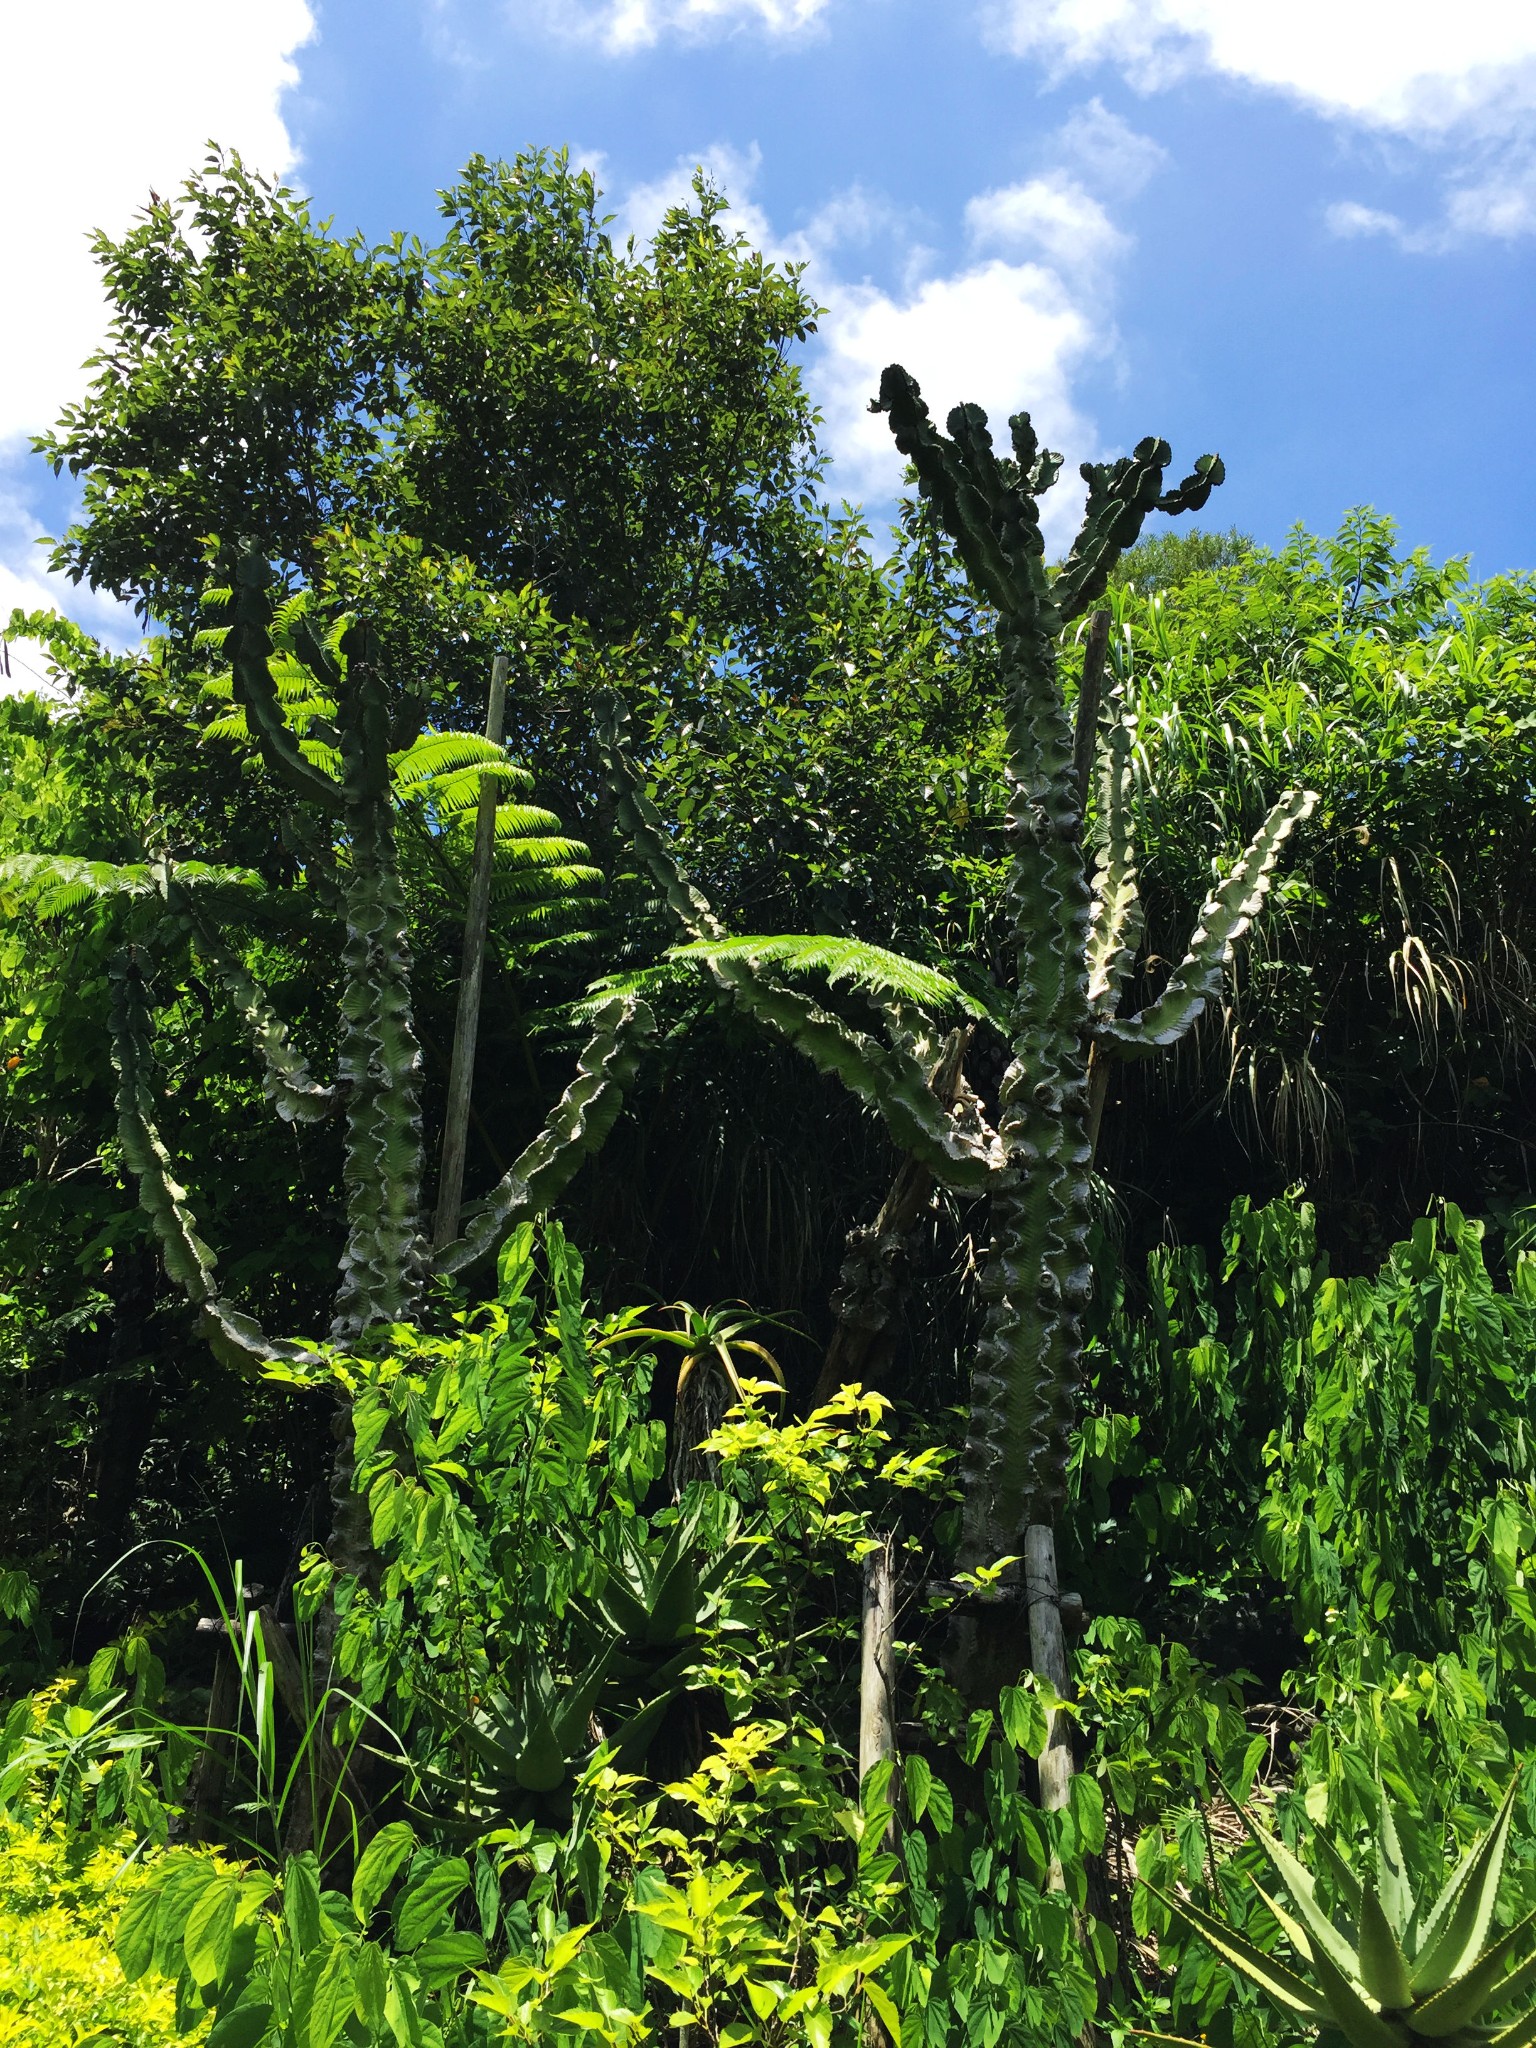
1517, 1983
1466, 1995
1297, 1879
1289, 1926
1520, 2033
1226, 915
1273, 1978
1353, 2012
1392, 1883
1350, 1889
1458, 1924
1383, 1966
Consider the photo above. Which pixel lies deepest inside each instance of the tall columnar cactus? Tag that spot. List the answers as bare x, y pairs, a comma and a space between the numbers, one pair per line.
319, 713
1074, 941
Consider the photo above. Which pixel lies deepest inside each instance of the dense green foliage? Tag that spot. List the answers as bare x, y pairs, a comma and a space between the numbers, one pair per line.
567, 1744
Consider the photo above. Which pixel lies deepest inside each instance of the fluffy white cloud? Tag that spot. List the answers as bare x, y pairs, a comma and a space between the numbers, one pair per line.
620, 26
1461, 78
1053, 215
998, 334
107, 102
1011, 325
1408, 64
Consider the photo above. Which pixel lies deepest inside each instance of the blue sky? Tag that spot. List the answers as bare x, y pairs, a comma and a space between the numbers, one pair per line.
1302, 233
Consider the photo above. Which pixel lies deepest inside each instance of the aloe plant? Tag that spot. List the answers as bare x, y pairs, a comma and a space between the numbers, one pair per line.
1413, 1966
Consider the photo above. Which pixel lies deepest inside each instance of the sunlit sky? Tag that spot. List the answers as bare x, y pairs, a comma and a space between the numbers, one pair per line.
1304, 234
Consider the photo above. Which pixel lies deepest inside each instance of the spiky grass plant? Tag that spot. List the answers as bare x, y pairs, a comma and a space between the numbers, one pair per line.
1413, 1966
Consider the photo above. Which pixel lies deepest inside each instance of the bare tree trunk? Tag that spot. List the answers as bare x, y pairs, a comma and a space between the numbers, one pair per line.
461, 1072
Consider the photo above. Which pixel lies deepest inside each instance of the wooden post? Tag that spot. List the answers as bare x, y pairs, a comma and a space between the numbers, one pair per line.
1048, 1660
461, 1072
877, 1660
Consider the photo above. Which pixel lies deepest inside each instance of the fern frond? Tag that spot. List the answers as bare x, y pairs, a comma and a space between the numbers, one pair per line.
867, 967
445, 753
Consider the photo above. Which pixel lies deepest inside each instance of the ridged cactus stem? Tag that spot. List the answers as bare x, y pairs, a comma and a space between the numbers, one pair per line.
379, 1062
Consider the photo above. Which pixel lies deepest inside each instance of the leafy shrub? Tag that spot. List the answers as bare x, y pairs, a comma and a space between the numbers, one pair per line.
61, 1897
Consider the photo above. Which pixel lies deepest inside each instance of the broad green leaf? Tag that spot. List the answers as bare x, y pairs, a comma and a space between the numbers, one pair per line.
919, 1782
210, 1932
1024, 1721
885, 2010
370, 1984
446, 1957
243, 2026
425, 1904
301, 1901
377, 1866
135, 1938
335, 1996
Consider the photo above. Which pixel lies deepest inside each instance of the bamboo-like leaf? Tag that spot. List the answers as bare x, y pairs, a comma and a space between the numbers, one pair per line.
1117, 913
1273, 1978
574, 1129
1226, 915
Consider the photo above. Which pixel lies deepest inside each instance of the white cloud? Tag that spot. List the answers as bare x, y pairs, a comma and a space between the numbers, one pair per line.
108, 102
1052, 216
999, 335
1407, 64
1010, 326
622, 26
1462, 79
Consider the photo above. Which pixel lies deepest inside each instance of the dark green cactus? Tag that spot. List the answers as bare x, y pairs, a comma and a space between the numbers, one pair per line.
318, 712
1073, 942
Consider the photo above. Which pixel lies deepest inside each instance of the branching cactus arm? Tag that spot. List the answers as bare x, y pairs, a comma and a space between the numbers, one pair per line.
188, 1262
1120, 495
1227, 914
1117, 913
576, 1127
287, 1081
248, 646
